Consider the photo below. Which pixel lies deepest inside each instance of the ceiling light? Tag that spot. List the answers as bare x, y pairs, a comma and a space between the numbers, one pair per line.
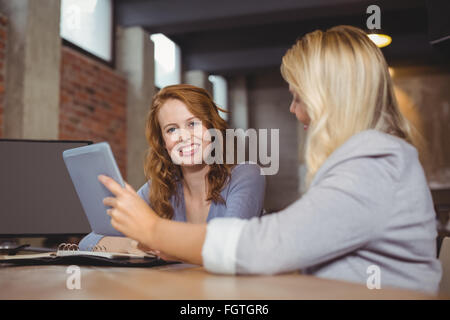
381, 40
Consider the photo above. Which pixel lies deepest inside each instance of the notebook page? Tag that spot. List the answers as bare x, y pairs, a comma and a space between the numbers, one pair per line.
28, 256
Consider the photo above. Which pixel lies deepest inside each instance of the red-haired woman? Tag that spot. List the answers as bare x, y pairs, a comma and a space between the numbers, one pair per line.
181, 185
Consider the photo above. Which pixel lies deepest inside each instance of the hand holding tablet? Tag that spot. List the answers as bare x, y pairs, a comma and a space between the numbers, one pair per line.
85, 164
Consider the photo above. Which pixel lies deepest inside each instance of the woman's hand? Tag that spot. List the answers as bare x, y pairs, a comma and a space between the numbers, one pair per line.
129, 213
143, 248
124, 245
117, 244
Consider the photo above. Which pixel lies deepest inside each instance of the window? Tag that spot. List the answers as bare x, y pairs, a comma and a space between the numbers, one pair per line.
167, 61
220, 93
88, 24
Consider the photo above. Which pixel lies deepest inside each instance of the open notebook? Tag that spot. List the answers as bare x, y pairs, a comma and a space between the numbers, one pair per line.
68, 254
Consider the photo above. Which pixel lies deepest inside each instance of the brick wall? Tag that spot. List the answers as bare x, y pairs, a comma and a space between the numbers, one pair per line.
3, 37
93, 103
423, 96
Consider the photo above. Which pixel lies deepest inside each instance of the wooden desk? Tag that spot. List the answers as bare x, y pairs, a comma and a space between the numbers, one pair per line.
180, 281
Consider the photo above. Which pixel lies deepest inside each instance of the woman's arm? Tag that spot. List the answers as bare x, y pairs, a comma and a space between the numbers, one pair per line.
182, 241
110, 244
116, 243
132, 216
90, 241
344, 211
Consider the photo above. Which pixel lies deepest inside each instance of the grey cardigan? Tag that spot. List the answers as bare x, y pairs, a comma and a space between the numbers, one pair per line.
368, 205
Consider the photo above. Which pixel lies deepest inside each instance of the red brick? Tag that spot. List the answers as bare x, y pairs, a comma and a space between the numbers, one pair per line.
94, 96
2, 34
3, 20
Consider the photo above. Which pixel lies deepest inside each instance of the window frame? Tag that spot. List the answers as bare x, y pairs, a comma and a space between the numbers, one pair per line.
112, 63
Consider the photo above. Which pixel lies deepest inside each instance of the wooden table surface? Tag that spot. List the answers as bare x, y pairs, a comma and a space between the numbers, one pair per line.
181, 281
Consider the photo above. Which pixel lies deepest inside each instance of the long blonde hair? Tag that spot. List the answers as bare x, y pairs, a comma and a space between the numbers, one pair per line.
344, 82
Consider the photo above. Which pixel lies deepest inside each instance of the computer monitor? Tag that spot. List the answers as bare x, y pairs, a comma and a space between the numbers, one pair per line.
37, 197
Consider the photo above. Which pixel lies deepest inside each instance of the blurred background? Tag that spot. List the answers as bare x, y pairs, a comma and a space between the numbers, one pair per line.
87, 70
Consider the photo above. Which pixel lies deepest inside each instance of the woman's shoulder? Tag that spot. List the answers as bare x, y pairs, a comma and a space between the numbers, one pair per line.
244, 192
380, 139
369, 150
246, 168
248, 173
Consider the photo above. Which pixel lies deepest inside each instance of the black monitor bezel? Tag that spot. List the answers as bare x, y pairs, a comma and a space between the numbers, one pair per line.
47, 235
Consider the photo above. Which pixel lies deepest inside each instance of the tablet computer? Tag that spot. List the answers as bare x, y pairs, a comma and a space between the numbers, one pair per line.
84, 165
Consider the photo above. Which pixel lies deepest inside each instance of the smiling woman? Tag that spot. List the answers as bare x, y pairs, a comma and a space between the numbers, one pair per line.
181, 186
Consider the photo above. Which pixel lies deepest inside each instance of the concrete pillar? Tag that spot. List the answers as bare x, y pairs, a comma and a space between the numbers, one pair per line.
198, 78
268, 102
238, 97
32, 69
135, 58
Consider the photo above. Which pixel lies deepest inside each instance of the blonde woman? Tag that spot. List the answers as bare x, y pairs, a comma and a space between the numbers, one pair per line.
367, 204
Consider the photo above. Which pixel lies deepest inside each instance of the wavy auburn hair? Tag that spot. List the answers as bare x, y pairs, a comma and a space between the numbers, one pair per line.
159, 169
344, 82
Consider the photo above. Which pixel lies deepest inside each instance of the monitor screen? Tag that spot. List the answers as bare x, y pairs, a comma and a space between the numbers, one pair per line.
37, 197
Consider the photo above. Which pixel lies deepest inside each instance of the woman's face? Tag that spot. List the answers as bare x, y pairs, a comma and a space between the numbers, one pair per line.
183, 133
298, 108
